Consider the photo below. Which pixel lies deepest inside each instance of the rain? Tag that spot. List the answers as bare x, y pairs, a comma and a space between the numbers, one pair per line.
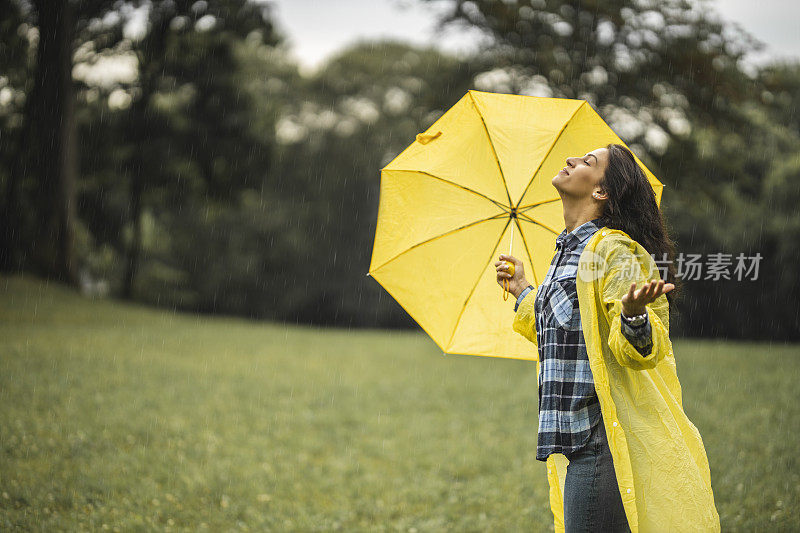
250, 272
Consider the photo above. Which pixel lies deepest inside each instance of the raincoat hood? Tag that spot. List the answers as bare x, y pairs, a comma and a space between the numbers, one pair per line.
659, 458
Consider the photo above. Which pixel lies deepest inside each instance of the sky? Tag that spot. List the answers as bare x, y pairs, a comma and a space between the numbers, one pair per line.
317, 29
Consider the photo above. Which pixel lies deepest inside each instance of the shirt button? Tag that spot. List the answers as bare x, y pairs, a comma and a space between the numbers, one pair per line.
614, 424
603, 233
629, 491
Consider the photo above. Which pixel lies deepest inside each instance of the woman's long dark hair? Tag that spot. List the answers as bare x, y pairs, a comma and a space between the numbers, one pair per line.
632, 208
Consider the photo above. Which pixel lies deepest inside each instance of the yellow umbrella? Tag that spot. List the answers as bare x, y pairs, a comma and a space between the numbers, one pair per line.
451, 202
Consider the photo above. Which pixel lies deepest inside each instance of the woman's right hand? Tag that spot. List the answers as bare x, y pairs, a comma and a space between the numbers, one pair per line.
517, 282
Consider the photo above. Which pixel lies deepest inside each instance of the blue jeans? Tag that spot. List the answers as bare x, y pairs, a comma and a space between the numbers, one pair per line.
591, 495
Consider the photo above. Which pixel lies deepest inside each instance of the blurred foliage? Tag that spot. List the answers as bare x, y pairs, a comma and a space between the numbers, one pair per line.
215, 177
670, 78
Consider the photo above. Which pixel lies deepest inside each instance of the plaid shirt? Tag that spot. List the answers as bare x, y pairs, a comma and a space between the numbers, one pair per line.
568, 404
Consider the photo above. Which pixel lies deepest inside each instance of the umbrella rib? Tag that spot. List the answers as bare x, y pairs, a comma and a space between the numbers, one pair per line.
548, 151
491, 144
473, 191
527, 251
466, 301
493, 217
529, 219
536, 204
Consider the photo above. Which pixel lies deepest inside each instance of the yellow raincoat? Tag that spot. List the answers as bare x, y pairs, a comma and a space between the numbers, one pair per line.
659, 459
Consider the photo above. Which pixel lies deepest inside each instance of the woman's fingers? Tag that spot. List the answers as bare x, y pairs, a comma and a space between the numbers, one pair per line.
664, 288
647, 292
641, 296
502, 269
652, 291
519, 268
658, 289
636, 299
631, 294
510, 258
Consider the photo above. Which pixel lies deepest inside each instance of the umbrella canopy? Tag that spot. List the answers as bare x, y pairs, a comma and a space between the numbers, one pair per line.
448, 203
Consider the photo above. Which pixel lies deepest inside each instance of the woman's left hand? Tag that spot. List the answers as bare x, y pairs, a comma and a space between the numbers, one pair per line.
635, 301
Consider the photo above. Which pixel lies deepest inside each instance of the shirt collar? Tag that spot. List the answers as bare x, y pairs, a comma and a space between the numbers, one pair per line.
580, 234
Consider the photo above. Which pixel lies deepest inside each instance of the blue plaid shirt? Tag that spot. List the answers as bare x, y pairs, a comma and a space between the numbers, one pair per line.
568, 403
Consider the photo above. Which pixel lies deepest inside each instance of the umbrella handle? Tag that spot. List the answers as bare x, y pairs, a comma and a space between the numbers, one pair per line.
507, 282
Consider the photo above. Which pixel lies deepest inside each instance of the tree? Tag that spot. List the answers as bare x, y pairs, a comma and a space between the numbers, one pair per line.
669, 78
187, 107
659, 61
46, 167
55, 154
14, 83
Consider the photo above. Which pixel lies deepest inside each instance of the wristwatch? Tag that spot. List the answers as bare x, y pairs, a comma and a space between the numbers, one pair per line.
635, 321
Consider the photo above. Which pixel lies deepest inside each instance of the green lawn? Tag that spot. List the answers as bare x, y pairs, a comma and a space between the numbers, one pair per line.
122, 417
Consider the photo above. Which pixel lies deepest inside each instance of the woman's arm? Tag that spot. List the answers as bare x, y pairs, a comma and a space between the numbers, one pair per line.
625, 352
620, 296
525, 316
639, 336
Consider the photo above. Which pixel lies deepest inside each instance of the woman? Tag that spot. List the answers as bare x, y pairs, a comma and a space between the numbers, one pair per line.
621, 454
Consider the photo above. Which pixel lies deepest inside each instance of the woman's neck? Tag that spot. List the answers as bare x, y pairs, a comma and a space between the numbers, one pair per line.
578, 212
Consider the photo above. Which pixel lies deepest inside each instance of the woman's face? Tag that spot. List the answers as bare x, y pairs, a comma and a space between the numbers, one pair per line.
581, 176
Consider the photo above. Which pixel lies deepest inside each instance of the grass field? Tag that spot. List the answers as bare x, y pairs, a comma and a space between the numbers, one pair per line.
120, 417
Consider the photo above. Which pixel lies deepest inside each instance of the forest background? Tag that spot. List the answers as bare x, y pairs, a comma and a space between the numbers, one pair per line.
193, 165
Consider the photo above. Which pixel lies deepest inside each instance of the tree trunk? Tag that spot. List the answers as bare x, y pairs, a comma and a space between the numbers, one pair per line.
12, 252
135, 245
140, 130
55, 158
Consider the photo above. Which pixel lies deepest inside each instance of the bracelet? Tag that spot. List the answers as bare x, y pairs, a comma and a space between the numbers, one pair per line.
629, 318
634, 321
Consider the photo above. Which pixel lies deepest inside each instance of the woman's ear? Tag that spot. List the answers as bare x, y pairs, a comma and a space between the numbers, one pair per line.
599, 194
